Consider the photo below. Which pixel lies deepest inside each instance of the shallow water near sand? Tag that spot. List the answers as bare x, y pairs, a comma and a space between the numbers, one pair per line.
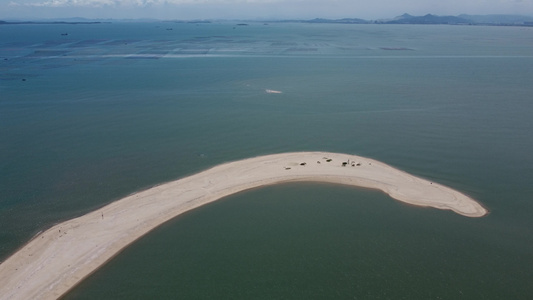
110, 109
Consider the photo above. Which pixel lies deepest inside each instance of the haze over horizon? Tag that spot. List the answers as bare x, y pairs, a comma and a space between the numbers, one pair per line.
253, 9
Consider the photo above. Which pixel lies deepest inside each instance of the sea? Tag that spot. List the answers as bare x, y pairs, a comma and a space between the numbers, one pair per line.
91, 113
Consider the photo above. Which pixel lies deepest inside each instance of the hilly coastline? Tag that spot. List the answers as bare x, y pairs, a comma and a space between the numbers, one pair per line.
428, 19
463, 19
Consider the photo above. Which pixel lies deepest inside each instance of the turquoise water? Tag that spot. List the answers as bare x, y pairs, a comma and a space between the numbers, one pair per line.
111, 109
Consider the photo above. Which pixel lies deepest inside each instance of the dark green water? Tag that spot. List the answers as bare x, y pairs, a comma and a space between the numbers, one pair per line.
312, 241
111, 109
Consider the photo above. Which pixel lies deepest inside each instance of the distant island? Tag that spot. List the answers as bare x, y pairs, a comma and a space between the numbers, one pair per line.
429, 19
463, 19
49, 22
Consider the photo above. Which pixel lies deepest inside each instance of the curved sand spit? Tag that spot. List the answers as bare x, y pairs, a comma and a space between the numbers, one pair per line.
57, 259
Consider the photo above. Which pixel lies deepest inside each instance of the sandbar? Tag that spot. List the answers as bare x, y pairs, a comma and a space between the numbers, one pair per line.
57, 259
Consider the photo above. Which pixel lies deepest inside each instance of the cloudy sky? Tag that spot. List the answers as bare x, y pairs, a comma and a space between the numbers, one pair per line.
254, 9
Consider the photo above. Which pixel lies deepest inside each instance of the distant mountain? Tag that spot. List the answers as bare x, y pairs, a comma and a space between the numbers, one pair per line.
501, 20
404, 16
45, 22
463, 19
339, 21
427, 19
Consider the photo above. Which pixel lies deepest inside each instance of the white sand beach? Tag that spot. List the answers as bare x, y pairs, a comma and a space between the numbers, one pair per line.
60, 257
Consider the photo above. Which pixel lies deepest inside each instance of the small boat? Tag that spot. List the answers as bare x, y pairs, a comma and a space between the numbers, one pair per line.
273, 91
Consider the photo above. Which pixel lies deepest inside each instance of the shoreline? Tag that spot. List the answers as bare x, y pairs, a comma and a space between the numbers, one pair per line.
56, 260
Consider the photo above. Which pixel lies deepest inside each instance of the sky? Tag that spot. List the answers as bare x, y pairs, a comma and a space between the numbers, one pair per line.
253, 9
